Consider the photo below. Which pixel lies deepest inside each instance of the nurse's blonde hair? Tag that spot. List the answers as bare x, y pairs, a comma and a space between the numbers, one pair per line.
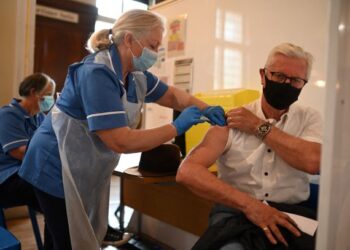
137, 22
291, 50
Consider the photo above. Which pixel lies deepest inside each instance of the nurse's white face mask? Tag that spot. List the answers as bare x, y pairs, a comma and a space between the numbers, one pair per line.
146, 60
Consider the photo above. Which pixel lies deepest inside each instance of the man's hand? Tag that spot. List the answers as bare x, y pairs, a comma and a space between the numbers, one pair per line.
244, 120
268, 218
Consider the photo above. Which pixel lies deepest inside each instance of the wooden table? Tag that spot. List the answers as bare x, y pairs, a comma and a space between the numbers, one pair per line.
162, 198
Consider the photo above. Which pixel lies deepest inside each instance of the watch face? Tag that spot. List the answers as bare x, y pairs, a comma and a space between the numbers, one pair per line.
264, 128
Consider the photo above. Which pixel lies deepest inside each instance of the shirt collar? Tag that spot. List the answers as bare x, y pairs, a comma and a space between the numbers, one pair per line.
131, 93
117, 64
284, 117
291, 111
259, 112
15, 103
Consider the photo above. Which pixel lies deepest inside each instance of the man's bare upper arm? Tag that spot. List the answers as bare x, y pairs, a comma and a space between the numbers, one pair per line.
210, 148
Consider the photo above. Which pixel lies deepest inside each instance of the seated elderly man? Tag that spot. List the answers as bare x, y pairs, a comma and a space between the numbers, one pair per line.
264, 154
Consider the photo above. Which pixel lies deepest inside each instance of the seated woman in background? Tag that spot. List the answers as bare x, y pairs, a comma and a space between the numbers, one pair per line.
18, 122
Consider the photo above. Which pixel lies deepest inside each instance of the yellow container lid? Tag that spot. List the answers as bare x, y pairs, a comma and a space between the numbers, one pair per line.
227, 99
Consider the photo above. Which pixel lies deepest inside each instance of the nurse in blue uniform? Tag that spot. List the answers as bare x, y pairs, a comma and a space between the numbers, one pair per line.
71, 158
18, 122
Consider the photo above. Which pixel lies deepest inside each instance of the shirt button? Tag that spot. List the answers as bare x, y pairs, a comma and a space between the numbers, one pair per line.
266, 173
266, 195
269, 150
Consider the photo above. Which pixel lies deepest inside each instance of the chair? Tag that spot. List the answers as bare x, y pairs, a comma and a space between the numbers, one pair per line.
36, 230
312, 201
8, 241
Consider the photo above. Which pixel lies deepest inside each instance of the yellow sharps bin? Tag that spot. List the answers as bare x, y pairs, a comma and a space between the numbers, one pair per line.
227, 99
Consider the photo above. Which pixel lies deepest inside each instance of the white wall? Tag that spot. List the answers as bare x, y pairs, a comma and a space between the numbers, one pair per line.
264, 25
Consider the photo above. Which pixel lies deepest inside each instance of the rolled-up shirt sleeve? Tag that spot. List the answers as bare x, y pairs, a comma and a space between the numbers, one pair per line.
313, 126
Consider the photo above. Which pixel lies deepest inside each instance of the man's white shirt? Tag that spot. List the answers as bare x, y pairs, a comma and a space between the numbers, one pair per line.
251, 166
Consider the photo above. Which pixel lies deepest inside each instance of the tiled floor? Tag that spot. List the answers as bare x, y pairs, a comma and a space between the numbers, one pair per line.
22, 228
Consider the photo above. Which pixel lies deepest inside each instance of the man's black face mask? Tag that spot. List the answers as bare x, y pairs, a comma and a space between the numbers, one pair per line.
280, 95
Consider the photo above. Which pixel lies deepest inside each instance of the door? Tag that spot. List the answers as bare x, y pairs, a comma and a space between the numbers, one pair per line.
61, 31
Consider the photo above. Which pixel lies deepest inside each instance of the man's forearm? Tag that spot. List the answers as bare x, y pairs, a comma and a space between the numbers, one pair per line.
300, 154
206, 185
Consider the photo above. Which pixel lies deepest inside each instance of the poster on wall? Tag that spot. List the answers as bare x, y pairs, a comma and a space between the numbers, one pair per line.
177, 36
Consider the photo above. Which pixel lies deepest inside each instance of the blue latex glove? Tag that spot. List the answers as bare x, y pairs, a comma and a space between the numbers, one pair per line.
216, 115
188, 117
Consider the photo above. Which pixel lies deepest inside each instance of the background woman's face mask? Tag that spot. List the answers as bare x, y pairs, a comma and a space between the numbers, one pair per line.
46, 104
280, 95
145, 60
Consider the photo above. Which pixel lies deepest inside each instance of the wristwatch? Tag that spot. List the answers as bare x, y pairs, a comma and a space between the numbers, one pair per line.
263, 130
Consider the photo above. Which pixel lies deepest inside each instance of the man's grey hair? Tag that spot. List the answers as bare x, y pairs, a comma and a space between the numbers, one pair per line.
291, 50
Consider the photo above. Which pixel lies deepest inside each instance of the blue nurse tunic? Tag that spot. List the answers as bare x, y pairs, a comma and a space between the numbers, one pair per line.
16, 129
95, 97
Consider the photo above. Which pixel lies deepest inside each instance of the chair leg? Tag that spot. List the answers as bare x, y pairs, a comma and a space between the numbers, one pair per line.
36, 230
121, 206
2, 218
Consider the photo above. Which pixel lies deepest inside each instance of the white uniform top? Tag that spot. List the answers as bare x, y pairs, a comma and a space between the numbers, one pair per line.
251, 166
